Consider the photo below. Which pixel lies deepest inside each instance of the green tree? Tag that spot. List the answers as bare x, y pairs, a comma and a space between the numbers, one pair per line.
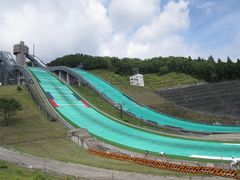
229, 60
220, 70
230, 70
8, 108
211, 59
163, 70
207, 69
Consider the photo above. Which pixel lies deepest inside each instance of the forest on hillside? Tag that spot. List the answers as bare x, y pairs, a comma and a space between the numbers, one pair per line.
205, 69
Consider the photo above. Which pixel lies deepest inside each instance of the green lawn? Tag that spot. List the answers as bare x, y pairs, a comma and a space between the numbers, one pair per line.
14, 172
145, 95
110, 76
31, 132
30, 124
154, 81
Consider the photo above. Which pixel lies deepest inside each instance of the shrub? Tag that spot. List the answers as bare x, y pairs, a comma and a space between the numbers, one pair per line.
3, 165
8, 108
163, 70
19, 88
39, 177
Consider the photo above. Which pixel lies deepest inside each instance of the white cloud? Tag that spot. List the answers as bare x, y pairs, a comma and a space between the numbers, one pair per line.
56, 28
114, 45
135, 28
161, 36
125, 15
173, 19
169, 46
207, 7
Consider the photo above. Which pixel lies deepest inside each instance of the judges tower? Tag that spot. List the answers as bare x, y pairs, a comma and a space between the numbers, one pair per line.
20, 50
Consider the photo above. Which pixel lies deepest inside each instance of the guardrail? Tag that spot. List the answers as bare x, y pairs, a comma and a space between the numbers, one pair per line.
213, 171
50, 115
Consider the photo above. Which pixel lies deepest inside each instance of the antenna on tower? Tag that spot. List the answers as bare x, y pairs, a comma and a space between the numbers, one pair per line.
33, 54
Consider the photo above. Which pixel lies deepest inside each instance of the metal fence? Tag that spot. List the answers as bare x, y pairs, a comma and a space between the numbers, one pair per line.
38, 102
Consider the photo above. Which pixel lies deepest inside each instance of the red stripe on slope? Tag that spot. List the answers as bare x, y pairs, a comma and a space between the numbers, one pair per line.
85, 103
53, 103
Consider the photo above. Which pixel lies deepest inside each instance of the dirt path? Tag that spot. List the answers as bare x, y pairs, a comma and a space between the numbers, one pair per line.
78, 170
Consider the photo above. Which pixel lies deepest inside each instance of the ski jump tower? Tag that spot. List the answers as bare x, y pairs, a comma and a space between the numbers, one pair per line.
21, 51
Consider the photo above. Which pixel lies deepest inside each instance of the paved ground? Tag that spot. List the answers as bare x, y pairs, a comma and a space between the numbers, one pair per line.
78, 170
225, 137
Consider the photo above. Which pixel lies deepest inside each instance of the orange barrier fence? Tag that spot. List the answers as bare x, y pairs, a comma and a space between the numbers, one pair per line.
169, 166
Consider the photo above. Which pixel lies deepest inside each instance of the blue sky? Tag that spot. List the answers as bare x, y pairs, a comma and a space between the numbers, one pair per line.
214, 26
123, 28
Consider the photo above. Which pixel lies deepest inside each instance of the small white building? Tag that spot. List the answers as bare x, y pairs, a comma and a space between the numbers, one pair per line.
136, 80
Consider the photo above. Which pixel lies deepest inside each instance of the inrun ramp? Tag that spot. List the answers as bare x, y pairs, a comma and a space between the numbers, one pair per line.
81, 114
147, 114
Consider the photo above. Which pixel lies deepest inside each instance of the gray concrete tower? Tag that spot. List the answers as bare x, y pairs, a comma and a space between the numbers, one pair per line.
20, 50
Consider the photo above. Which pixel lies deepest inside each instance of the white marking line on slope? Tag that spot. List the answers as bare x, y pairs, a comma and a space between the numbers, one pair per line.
34, 70
61, 95
47, 79
67, 98
230, 144
54, 90
213, 157
54, 86
49, 82
71, 104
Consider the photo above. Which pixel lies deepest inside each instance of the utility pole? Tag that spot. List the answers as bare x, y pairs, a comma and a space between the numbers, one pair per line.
121, 110
33, 54
119, 106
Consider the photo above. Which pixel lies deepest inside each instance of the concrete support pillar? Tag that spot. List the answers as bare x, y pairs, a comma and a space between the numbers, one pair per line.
18, 78
60, 75
79, 83
68, 78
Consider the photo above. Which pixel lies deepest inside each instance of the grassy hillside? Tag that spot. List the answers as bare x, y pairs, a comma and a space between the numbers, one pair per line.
154, 81
151, 81
31, 132
111, 77
145, 95
22, 128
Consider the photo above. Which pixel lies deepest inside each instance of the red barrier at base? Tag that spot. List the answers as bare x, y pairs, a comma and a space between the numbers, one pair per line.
214, 171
